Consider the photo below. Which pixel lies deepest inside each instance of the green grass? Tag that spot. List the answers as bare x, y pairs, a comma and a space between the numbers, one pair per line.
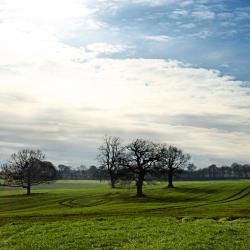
90, 215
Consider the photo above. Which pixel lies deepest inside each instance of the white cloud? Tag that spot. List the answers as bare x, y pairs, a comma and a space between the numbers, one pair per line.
188, 25
203, 14
179, 13
63, 99
242, 15
186, 3
71, 105
202, 34
159, 38
224, 65
225, 15
227, 24
92, 24
107, 48
49, 16
113, 5
152, 2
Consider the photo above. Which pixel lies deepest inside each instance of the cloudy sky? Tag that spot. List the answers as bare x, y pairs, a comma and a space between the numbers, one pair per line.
168, 70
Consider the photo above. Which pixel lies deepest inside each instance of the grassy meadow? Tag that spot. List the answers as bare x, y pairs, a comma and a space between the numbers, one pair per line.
91, 215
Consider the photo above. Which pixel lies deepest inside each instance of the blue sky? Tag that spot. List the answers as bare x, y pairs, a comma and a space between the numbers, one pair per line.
171, 71
210, 34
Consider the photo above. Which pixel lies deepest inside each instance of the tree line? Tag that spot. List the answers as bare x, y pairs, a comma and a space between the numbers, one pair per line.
139, 161
212, 172
190, 173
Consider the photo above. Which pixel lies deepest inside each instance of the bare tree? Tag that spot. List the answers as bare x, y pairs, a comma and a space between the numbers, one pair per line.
172, 162
140, 158
110, 153
27, 168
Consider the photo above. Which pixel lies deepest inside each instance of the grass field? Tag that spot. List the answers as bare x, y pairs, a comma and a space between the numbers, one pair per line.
90, 215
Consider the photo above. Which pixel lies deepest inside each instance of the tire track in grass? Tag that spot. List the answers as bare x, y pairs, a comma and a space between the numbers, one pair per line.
66, 203
238, 198
230, 198
72, 203
238, 193
226, 200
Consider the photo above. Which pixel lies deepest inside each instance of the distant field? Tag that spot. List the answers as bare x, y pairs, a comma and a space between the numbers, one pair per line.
90, 215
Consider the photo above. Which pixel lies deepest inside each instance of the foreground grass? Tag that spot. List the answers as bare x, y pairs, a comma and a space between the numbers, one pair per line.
138, 232
89, 215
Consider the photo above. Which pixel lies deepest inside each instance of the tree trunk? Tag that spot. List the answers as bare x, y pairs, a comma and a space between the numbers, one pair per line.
139, 184
28, 183
112, 181
28, 190
170, 180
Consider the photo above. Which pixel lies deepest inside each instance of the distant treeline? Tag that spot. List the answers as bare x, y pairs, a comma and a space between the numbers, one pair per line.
138, 161
82, 173
235, 171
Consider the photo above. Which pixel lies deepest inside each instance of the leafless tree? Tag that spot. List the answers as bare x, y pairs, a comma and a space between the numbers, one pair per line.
140, 158
27, 168
110, 153
172, 162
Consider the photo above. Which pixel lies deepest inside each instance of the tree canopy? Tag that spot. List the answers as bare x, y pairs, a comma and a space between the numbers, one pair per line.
27, 168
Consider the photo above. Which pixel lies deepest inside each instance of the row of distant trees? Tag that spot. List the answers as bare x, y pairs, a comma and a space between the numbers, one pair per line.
190, 173
235, 171
79, 173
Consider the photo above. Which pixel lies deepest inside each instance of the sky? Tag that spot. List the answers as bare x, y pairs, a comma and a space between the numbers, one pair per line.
170, 71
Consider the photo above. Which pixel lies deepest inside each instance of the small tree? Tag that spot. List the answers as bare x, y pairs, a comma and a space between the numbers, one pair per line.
173, 161
26, 168
110, 153
139, 159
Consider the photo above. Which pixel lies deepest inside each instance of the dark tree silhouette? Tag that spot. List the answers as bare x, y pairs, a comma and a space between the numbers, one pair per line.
212, 171
110, 153
27, 168
172, 162
139, 159
191, 167
93, 173
64, 172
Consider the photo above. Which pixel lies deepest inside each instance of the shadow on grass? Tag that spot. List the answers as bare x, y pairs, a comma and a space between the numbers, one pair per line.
158, 199
24, 195
200, 190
